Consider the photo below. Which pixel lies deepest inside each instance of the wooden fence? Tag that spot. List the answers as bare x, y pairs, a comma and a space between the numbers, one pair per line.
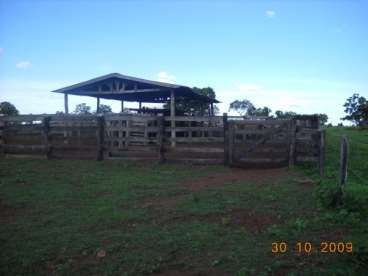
217, 139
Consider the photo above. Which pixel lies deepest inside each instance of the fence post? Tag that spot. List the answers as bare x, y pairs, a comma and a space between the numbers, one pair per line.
322, 146
343, 173
292, 143
100, 137
160, 138
46, 137
226, 139
231, 141
2, 142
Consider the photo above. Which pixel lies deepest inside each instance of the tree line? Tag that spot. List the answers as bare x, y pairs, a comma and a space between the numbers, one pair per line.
356, 108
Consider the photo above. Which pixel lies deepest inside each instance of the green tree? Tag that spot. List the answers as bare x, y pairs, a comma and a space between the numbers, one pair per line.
356, 108
244, 107
104, 108
323, 118
7, 108
193, 107
82, 109
284, 115
265, 111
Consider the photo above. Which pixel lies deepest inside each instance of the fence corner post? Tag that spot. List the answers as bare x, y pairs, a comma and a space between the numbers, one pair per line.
292, 143
160, 138
100, 137
226, 139
322, 146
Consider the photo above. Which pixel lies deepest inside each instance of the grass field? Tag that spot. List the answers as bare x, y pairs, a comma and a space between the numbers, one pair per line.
118, 218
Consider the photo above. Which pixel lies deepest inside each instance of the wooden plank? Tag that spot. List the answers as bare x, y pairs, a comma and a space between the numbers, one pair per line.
197, 139
24, 118
216, 128
25, 156
196, 149
263, 122
25, 149
213, 119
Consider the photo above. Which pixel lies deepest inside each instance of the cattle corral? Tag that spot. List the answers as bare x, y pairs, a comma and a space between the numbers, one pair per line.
236, 141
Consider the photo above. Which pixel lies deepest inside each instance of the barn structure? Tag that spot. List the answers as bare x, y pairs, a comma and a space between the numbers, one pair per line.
120, 87
163, 135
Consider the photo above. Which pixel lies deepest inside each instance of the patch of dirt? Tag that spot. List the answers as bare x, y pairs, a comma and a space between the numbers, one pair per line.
252, 221
236, 175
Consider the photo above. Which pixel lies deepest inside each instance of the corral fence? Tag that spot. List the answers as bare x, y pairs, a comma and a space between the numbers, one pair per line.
213, 139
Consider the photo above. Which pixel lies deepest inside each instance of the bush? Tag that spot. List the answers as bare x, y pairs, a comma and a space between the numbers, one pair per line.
355, 199
354, 196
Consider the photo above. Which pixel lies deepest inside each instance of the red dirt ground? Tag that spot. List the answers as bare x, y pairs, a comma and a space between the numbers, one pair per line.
236, 175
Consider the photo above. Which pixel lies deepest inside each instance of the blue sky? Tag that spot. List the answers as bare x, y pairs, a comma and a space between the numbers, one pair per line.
304, 56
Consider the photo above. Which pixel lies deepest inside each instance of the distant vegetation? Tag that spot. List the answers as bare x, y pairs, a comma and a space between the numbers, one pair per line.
247, 108
6, 108
84, 109
356, 108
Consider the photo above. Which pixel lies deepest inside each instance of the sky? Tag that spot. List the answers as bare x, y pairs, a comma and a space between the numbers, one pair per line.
301, 56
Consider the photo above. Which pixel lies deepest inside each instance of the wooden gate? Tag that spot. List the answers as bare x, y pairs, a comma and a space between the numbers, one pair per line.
260, 143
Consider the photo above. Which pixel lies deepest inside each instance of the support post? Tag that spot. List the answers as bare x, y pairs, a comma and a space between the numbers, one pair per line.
322, 152
46, 137
231, 144
122, 106
2, 142
98, 105
160, 138
172, 118
343, 175
292, 139
212, 113
140, 106
100, 137
66, 104
226, 139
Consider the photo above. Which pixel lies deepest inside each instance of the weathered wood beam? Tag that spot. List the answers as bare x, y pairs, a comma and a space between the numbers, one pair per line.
89, 93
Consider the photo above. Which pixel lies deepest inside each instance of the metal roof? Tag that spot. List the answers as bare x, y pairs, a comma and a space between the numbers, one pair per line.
116, 86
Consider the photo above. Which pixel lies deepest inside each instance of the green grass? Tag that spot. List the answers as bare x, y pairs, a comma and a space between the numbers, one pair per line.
56, 215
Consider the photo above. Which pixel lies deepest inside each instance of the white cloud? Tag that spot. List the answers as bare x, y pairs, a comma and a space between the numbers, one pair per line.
23, 65
270, 13
165, 77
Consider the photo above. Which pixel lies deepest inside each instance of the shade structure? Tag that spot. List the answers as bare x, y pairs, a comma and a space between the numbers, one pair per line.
116, 86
